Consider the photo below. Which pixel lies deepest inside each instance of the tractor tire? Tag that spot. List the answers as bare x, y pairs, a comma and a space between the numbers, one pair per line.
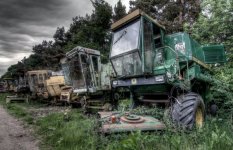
188, 111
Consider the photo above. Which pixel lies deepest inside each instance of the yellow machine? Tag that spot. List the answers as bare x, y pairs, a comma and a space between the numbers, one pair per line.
45, 83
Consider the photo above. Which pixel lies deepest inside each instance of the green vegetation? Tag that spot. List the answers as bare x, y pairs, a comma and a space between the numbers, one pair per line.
213, 26
73, 130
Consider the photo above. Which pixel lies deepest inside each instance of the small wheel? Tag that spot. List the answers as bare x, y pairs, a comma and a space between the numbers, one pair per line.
188, 111
107, 107
213, 109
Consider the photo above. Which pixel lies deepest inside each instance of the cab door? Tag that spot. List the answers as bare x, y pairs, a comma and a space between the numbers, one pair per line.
96, 69
148, 46
86, 69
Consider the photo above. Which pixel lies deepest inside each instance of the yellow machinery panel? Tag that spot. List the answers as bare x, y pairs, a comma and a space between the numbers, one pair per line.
55, 80
54, 84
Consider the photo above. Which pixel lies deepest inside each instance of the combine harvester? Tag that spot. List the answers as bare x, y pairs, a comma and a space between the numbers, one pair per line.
88, 81
170, 70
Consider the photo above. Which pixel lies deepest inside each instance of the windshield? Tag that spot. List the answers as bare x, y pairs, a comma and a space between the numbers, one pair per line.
66, 72
125, 39
127, 65
76, 73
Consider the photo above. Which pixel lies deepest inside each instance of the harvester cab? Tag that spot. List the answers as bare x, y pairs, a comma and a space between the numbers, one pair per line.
81, 68
135, 42
160, 68
87, 80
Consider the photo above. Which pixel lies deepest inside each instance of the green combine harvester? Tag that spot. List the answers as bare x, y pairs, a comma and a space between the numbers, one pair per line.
170, 70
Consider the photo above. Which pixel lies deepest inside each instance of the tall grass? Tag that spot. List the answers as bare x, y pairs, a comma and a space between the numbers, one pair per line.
75, 131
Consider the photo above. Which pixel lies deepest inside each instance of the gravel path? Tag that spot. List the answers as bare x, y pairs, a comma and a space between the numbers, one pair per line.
13, 135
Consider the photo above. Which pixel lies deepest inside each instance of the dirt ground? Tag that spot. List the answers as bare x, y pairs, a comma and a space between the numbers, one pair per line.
13, 134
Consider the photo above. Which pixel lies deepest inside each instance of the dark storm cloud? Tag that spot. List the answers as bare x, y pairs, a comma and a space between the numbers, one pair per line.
24, 23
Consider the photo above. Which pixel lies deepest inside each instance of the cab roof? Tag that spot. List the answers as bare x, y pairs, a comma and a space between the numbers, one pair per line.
78, 49
132, 16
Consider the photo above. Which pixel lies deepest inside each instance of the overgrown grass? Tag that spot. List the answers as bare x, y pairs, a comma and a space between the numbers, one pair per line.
71, 131
16, 110
77, 131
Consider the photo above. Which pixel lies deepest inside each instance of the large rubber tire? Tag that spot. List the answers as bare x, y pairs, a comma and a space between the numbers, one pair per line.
189, 111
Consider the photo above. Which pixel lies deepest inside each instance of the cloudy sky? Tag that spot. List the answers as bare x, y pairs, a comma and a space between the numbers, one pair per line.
24, 23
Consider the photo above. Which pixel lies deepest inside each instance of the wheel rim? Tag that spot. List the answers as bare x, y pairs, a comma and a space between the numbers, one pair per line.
199, 118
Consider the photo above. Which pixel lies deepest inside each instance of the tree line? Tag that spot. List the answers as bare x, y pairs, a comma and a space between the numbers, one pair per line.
208, 21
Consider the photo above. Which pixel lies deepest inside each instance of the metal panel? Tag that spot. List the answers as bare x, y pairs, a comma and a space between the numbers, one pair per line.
139, 81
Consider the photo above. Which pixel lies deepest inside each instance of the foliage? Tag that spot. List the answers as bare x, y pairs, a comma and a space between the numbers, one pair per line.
119, 11
172, 14
214, 26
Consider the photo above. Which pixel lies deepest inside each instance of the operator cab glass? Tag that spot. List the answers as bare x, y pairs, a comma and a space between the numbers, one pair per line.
126, 39
134, 47
76, 73
81, 71
125, 50
66, 71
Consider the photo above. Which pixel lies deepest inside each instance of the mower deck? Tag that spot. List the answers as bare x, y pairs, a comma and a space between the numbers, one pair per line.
113, 122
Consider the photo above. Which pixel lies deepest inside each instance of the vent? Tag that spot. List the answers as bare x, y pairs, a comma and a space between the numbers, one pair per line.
214, 54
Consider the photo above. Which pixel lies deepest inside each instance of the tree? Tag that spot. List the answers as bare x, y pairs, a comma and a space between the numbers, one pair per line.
173, 14
119, 11
215, 26
59, 36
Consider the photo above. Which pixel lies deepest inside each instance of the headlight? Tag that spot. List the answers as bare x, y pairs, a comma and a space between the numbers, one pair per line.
114, 82
159, 78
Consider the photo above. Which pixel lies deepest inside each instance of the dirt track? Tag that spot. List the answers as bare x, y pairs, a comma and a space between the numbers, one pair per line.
13, 135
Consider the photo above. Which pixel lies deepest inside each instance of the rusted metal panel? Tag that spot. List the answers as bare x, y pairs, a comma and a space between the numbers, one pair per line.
113, 122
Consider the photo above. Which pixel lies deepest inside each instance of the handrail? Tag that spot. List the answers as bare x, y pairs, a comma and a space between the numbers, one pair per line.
177, 57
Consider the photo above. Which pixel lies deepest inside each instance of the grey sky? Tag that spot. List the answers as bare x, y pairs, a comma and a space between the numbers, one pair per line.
24, 23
